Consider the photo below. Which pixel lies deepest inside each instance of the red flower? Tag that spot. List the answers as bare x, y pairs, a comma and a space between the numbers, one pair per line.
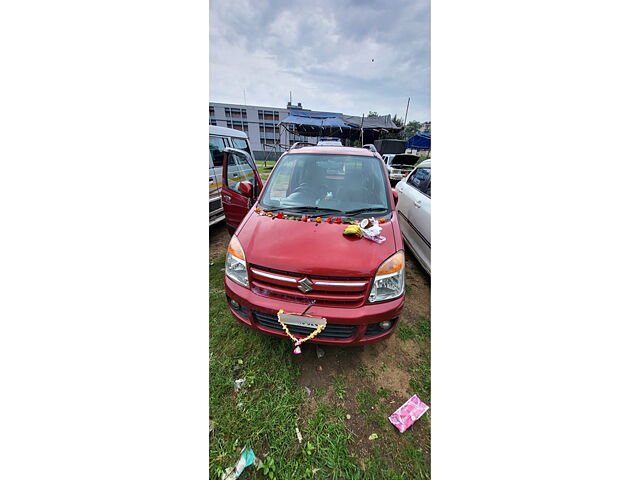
305, 218
338, 220
280, 214
330, 219
382, 220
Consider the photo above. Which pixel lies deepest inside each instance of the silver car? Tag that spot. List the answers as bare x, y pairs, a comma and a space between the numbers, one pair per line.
414, 212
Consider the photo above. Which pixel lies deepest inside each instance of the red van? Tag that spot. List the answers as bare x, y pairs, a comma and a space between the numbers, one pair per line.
288, 252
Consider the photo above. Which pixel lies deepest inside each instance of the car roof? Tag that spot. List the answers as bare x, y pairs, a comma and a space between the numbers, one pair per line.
226, 132
331, 150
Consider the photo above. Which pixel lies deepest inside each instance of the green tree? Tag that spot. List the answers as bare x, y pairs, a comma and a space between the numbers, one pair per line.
372, 114
411, 129
394, 135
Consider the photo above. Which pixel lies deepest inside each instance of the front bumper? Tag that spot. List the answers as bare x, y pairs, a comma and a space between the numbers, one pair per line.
257, 312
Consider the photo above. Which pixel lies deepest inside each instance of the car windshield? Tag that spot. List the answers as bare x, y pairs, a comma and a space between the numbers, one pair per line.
317, 184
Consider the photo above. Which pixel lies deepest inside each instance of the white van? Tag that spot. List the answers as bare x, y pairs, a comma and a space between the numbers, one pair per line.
219, 139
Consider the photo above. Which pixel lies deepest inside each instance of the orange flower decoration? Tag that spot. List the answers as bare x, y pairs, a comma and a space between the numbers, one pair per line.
318, 219
382, 220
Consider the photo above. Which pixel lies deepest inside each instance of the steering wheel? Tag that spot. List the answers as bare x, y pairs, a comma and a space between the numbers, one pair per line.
300, 187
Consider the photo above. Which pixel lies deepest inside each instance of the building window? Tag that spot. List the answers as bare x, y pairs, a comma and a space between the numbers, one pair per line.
227, 112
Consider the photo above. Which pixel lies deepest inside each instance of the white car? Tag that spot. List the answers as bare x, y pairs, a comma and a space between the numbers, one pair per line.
414, 212
399, 165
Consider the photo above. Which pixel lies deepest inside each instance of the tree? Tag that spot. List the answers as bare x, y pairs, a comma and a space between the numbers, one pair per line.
411, 129
372, 114
393, 135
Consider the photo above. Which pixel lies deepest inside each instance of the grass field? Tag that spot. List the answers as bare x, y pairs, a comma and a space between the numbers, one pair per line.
336, 402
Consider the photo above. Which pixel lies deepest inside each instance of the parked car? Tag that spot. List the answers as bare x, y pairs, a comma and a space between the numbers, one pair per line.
309, 269
399, 165
414, 212
219, 139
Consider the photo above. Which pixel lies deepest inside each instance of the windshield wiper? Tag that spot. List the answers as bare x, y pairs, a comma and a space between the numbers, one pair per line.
365, 210
314, 209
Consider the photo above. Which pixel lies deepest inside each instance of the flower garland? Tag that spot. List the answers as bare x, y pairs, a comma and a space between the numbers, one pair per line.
299, 341
306, 218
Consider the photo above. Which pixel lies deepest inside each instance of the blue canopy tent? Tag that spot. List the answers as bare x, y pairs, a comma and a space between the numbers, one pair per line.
317, 124
420, 141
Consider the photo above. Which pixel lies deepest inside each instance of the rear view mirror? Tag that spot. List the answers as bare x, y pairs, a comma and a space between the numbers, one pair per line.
395, 195
246, 189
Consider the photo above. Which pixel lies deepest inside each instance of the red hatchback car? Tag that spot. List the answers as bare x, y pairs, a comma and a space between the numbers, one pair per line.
309, 269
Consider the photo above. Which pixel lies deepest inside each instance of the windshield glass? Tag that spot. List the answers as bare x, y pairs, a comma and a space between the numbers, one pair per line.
349, 185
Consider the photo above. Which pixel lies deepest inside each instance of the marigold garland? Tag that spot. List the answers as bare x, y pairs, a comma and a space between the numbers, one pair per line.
307, 219
299, 341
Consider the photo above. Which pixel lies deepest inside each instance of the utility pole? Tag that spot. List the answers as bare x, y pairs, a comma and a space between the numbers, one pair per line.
362, 131
406, 112
244, 92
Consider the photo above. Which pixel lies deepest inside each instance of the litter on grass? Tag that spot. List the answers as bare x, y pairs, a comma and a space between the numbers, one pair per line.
238, 383
319, 351
373, 436
247, 457
408, 413
299, 435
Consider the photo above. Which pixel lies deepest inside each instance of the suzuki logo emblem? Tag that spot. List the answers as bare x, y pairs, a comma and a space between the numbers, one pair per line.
305, 285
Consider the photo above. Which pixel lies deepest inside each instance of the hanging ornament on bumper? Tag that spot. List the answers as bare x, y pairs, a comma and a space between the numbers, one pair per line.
308, 322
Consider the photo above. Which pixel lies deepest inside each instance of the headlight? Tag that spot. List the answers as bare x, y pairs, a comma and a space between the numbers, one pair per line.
236, 267
389, 280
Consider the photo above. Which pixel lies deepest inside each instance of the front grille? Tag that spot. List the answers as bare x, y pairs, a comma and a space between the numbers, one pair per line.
334, 331
325, 290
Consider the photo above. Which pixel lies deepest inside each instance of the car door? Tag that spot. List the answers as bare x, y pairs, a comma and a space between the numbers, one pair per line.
414, 208
216, 152
420, 218
406, 197
238, 166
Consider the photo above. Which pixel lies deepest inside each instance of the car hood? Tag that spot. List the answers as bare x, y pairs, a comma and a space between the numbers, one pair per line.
313, 249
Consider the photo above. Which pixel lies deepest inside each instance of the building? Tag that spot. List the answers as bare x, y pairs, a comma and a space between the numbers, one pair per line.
267, 139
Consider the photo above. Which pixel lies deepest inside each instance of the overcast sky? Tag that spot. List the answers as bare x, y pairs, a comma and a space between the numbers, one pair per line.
322, 51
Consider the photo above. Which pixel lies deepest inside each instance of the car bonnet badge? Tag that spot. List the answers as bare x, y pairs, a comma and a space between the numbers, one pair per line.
305, 285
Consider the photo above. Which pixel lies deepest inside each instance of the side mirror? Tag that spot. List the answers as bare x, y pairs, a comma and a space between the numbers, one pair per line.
395, 195
246, 189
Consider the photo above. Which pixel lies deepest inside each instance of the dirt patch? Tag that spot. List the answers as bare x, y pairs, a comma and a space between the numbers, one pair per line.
218, 239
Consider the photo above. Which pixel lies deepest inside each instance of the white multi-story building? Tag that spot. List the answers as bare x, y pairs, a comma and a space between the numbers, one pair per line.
260, 124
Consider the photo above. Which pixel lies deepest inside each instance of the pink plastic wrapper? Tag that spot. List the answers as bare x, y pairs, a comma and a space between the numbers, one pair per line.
408, 413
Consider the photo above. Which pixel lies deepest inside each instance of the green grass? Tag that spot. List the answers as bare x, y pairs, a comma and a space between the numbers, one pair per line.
405, 332
265, 412
340, 386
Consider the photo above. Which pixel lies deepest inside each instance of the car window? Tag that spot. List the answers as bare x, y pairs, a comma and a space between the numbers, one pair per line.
216, 147
421, 179
241, 144
239, 170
